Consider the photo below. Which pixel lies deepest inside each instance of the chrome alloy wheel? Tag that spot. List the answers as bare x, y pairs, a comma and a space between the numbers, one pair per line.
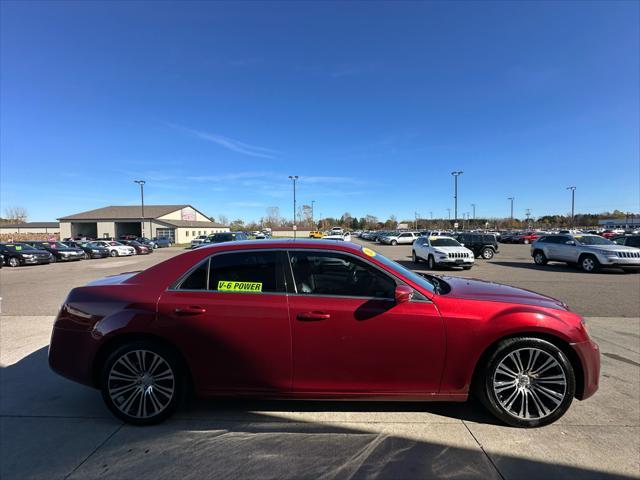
141, 384
529, 383
588, 264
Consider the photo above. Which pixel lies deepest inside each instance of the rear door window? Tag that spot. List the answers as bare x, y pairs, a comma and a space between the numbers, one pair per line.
247, 272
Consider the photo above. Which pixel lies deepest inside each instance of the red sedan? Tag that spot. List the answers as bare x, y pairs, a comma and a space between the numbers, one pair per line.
319, 319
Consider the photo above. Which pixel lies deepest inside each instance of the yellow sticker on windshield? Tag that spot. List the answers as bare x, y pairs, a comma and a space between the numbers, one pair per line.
18, 247
227, 286
433, 238
368, 252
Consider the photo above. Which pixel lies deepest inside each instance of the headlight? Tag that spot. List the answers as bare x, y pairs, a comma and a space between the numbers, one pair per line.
95, 251
27, 255
608, 253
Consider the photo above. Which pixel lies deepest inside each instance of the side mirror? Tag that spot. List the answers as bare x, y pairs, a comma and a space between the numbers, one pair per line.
403, 293
462, 244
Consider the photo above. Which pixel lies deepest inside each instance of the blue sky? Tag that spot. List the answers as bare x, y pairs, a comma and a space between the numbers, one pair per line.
371, 104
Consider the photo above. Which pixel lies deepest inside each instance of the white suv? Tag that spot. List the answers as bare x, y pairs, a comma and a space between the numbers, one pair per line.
399, 238
442, 251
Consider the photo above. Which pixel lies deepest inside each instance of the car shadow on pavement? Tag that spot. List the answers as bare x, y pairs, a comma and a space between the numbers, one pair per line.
554, 267
53, 428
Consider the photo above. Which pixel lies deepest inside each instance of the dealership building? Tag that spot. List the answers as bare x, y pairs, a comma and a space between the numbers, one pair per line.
179, 223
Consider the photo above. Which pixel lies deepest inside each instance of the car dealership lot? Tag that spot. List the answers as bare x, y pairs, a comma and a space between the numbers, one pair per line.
53, 428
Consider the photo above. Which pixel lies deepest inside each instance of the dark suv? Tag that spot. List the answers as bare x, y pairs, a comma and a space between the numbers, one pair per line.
481, 244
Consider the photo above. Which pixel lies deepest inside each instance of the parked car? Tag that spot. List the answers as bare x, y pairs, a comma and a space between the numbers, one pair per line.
127, 237
161, 242
59, 251
148, 242
527, 237
140, 248
1, 260
589, 252
345, 237
612, 233
223, 237
442, 251
145, 338
89, 251
337, 231
198, 240
399, 238
483, 245
627, 240
16, 254
315, 234
116, 249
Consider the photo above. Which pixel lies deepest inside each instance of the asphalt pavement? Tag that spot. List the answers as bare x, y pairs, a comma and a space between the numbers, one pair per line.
55, 429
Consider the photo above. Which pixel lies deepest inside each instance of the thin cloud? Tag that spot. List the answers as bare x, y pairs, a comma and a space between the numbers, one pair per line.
230, 143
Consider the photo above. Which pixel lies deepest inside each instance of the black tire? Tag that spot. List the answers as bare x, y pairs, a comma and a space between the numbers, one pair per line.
589, 264
493, 401
87, 256
466, 268
431, 264
169, 404
113, 253
487, 253
539, 257
53, 259
13, 262
414, 257
394, 243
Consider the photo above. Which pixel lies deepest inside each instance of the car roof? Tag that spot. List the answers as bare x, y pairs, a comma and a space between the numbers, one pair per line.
284, 243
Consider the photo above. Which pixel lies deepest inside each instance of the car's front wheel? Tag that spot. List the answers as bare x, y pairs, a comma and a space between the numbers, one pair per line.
414, 257
14, 262
527, 382
142, 383
431, 264
394, 243
589, 264
113, 253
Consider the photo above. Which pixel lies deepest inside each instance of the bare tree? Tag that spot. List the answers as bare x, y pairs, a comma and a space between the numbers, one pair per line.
16, 214
273, 218
223, 220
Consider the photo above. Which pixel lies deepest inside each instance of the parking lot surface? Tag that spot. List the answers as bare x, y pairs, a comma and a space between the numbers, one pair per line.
52, 428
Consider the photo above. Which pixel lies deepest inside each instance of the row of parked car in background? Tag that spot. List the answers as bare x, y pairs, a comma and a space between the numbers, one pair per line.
38, 252
590, 250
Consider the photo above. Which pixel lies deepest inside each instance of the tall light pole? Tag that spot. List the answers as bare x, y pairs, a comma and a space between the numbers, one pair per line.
455, 174
295, 227
449, 213
573, 203
473, 205
415, 214
313, 203
141, 183
511, 200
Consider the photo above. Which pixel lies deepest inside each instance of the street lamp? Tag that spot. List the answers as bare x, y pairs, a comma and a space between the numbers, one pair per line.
473, 205
573, 203
449, 213
455, 174
511, 200
313, 202
294, 178
141, 183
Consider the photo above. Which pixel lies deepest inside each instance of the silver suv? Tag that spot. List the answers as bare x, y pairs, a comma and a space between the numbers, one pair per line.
589, 252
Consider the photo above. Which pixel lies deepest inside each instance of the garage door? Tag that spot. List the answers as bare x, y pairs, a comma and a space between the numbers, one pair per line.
169, 233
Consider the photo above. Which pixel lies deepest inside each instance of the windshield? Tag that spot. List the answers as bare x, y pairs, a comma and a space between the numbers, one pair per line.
18, 248
405, 272
114, 244
444, 242
593, 240
59, 245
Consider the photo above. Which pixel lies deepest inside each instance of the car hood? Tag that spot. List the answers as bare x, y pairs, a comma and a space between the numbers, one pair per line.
614, 248
470, 289
452, 249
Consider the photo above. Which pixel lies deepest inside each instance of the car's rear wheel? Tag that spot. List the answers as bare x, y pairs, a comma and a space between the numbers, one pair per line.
113, 253
14, 262
527, 382
142, 383
394, 243
431, 264
589, 264
526, 241
487, 253
539, 257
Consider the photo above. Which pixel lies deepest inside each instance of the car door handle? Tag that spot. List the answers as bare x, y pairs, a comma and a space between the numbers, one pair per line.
314, 316
191, 310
